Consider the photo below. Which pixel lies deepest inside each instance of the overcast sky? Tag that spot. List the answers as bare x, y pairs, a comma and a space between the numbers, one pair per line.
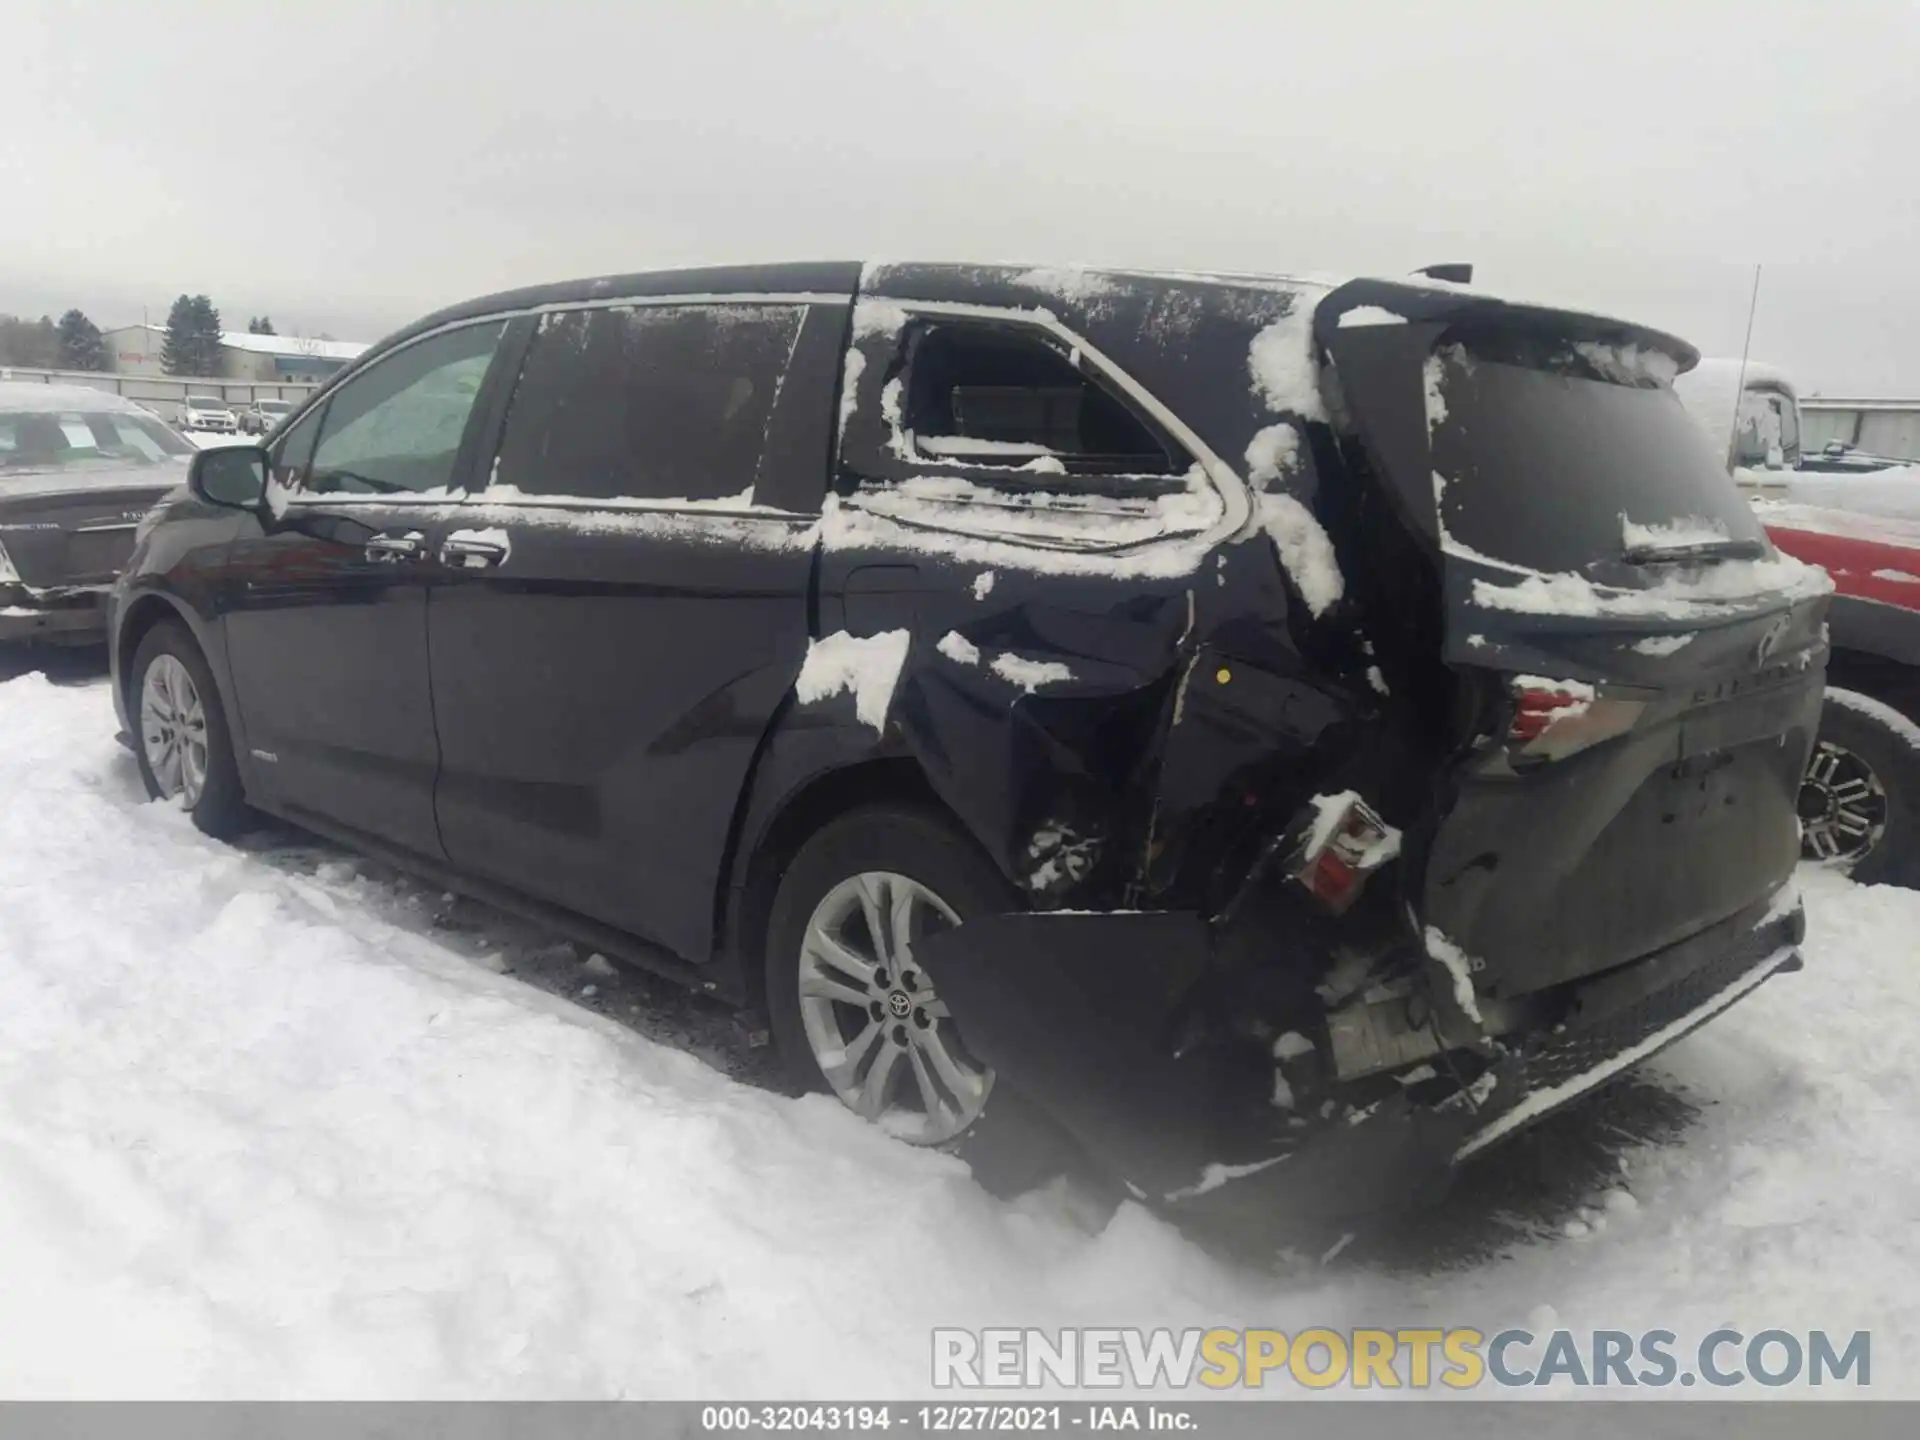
348, 165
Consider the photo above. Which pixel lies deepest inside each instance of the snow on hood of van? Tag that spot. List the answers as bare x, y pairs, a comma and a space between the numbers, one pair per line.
1712, 589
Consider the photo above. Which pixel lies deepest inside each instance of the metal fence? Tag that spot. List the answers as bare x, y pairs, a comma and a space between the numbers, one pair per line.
165, 389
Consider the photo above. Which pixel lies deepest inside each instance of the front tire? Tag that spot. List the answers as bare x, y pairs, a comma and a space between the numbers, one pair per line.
182, 742
853, 1014
1860, 797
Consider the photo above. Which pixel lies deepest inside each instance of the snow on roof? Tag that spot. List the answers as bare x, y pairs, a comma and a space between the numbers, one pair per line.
1711, 394
24, 395
298, 346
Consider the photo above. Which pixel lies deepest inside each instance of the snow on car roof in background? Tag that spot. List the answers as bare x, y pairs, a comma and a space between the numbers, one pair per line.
23, 395
1711, 393
291, 345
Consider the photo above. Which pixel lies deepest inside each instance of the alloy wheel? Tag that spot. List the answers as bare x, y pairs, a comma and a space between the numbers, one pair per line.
882, 1036
1843, 807
173, 730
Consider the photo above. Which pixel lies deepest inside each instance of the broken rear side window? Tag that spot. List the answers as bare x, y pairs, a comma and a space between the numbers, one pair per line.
1000, 397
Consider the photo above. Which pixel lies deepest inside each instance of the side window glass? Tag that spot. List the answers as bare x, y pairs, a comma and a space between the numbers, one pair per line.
647, 402
293, 451
397, 428
995, 395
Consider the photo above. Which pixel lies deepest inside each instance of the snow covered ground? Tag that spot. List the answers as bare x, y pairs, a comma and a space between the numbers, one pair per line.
273, 1123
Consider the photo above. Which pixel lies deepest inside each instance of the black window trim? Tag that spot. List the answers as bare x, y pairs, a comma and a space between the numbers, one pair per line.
507, 360
496, 419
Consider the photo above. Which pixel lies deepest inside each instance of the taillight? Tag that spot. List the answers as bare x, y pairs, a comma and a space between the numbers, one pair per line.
1538, 704
1555, 718
1344, 843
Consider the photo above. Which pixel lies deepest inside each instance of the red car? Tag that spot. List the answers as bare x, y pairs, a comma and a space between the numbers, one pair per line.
1860, 800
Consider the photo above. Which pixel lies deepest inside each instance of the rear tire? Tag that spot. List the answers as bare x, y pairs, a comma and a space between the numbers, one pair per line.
896, 855
181, 738
1864, 774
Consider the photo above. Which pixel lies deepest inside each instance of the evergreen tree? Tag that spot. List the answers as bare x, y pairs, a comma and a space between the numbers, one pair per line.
206, 326
31, 343
261, 325
80, 345
193, 338
178, 353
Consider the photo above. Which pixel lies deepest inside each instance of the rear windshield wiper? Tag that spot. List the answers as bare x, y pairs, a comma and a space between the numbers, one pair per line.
1704, 550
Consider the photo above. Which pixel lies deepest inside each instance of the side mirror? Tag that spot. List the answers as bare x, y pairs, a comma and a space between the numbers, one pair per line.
231, 476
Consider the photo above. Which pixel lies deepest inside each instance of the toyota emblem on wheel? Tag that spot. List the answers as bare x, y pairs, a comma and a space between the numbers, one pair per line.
900, 1004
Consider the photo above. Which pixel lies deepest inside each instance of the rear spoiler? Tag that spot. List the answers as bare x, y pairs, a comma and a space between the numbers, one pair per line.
1418, 303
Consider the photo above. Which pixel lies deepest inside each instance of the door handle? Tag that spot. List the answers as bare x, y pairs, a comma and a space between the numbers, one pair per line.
391, 549
464, 554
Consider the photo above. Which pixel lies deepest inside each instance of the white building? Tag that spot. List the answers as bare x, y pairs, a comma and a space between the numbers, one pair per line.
261, 359
1875, 427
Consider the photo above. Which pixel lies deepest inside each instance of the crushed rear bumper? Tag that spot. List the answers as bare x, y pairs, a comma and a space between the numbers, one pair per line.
1084, 1015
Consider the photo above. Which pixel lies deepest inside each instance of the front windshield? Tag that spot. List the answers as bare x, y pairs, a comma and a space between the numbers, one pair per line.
274, 407
37, 441
203, 402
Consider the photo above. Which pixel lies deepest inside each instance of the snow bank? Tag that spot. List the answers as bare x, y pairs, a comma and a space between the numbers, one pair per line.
268, 1133
868, 666
1892, 494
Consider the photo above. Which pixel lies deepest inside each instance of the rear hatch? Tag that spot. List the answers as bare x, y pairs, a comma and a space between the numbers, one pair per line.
75, 528
1636, 670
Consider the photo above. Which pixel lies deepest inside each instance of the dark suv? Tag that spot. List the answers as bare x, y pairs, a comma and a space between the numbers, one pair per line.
1257, 732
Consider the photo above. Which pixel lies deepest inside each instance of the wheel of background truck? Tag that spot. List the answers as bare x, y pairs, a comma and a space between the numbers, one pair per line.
182, 743
853, 1014
1860, 797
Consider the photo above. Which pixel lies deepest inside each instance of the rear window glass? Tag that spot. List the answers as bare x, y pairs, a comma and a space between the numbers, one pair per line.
1541, 462
649, 402
83, 439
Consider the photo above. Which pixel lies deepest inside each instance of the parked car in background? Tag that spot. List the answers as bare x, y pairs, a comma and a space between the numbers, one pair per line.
1837, 457
79, 468
1017, 684
263, 414
1860, 800
206, 412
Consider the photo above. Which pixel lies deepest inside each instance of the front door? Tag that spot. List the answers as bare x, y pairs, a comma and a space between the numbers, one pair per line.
629, 603
327, 625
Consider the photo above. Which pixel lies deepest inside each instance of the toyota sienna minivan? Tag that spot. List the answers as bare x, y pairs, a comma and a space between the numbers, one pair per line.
1271, 739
